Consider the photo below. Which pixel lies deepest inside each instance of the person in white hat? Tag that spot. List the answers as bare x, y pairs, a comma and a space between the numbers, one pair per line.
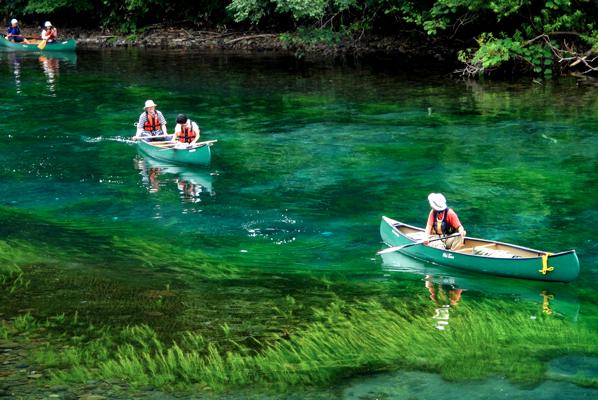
151, 123
443, 221
49, 34
13, 33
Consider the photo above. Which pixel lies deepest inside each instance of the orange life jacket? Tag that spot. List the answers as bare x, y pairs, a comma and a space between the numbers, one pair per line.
441, 226
152, 123
51, 34
187, 134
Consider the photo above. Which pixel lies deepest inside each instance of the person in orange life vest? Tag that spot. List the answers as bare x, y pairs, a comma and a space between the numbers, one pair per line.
186, 132
13, 33
50, 33
443, 221
151, 123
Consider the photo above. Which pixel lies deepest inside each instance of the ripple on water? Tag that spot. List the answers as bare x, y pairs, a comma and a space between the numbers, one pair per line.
279, 231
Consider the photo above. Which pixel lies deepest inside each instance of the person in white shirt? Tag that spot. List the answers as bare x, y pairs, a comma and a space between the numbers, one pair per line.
50, 33
186, 132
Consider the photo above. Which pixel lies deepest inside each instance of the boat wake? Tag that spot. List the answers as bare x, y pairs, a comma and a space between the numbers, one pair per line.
121, 139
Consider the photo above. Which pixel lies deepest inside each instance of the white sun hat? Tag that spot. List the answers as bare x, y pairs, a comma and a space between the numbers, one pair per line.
149, 103
14, 21
437, 201
48, 24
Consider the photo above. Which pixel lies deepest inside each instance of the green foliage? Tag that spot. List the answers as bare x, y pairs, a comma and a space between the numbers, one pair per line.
50, 6
4, 330
307, 10
251, 10
493, 52
25, 323
306, 37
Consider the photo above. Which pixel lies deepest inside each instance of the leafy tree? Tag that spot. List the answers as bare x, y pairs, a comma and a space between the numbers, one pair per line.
533, 36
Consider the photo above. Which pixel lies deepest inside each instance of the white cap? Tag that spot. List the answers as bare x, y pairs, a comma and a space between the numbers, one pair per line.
14, 21
150, 103
48, 24
437, 201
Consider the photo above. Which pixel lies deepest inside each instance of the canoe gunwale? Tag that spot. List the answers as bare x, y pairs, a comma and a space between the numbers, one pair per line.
395, 224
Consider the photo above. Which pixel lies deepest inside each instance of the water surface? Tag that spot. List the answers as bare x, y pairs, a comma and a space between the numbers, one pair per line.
309, 157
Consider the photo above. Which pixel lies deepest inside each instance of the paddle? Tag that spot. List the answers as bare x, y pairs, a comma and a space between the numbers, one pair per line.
42, 44
200, 144
395, 248
153, 137
195, 146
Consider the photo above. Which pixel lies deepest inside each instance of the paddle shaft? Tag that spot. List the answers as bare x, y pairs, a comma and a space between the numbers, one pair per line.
395, 248
152, 137
198, 144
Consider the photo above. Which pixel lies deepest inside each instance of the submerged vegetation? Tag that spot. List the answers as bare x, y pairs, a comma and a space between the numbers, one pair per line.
166, 335
485, 339
530, 36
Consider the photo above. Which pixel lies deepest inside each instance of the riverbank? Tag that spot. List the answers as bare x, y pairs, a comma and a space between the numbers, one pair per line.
410, 46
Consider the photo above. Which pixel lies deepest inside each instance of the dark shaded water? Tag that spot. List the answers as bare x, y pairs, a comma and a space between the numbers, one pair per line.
309, 157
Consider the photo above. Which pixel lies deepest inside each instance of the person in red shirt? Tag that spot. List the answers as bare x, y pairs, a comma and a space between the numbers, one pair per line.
443, 221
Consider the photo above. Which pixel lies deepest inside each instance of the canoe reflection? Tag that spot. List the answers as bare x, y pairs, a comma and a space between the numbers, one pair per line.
446, 288
192, 184
50, 64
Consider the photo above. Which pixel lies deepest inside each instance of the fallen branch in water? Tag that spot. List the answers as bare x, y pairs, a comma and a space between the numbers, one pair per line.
264, 35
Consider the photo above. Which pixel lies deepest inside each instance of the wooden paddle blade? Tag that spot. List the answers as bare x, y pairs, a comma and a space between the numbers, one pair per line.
390, 249
42, 45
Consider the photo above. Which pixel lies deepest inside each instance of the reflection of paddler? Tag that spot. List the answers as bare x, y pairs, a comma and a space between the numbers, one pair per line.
16, 64
51, 67
189, 190
443, 294
150, 176
153, 174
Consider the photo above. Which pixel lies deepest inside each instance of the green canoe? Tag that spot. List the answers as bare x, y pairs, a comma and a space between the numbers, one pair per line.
199, 154
65, 45
484, 256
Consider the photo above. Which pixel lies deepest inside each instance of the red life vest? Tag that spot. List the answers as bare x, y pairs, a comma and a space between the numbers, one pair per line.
445, 227
51, 34
152, 123
187, 134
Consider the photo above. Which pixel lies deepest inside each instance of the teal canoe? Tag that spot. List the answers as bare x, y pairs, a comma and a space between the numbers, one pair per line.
484, 256
199, 154
64, 45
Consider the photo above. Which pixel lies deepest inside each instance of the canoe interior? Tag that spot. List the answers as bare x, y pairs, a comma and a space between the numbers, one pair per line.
469, 245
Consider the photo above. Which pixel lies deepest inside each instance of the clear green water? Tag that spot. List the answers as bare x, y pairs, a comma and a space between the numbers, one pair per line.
309, 157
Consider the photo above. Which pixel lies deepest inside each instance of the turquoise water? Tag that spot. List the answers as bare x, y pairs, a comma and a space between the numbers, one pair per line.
309, 157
